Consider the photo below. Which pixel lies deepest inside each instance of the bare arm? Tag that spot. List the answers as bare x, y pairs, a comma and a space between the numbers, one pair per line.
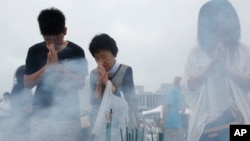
240, 78
33, 79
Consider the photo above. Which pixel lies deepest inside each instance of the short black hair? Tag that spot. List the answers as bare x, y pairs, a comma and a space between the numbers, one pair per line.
6, 94
207, 23
51, 21
20, 72
103, 42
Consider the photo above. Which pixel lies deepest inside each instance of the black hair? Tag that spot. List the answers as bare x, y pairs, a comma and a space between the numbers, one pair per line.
19, 77
6, 94
20, 74
207, 24
103, 42
51, 21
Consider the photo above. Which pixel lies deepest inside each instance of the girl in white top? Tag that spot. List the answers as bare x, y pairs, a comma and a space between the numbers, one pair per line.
216, 76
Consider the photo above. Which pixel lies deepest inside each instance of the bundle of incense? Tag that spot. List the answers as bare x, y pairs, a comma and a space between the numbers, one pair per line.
132, 134
108, 125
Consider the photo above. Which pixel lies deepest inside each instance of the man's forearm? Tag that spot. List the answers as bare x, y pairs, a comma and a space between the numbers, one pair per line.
33, 79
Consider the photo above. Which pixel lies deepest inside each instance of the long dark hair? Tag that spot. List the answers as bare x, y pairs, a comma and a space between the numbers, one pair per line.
208, 24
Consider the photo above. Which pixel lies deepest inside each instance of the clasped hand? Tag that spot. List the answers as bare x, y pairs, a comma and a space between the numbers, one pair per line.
102, 74
52, 57
219, 62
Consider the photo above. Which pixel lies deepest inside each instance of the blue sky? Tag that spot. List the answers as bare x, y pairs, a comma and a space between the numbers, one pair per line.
153, 36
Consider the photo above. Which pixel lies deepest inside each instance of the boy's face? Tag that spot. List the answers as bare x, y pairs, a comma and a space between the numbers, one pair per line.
57, 39
54, 39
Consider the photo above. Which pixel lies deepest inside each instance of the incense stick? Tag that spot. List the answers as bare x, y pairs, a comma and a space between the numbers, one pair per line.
142, 139
136, 134
132, 134
152, 136
108, 125
121, 134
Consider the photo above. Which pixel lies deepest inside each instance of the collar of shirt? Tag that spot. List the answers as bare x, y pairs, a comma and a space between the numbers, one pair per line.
114, 68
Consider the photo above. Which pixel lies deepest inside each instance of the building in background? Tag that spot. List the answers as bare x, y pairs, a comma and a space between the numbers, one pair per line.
150, 100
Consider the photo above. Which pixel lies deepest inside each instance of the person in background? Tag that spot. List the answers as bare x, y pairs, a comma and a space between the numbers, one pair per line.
5, 108
216, 76
21, 107
171, 120
57, 67
5, 105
